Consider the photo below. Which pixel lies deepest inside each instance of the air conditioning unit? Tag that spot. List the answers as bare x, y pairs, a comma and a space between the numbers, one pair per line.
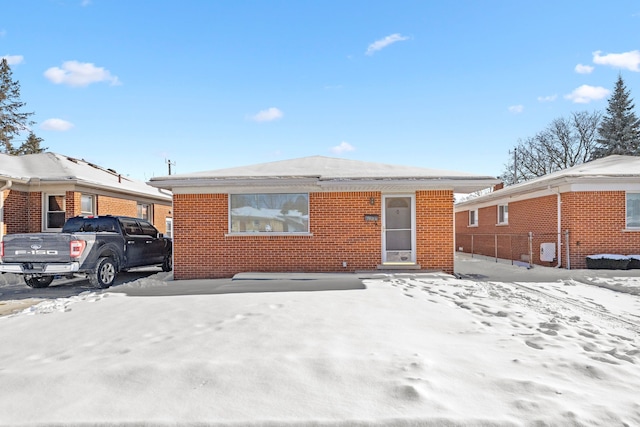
547, 252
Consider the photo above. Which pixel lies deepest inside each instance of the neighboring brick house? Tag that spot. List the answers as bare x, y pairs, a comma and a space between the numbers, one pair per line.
314, 214
38, 192
589, 209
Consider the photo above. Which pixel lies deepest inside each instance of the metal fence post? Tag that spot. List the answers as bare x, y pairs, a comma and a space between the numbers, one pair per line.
530, 249
566, 233
472, 246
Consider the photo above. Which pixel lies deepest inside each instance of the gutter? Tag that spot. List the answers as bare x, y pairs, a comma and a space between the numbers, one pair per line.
8, 184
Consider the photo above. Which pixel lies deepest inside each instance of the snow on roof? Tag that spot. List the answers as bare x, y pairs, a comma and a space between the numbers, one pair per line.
56, 168
322, 169
615, 168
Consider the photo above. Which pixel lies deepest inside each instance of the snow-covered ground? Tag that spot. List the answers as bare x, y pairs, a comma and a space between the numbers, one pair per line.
406, 350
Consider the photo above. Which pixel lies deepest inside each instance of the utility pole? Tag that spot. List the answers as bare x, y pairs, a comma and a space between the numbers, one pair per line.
169, 164
515, 166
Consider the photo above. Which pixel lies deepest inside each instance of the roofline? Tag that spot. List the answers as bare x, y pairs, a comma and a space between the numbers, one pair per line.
92, 184
342, 184
529, 187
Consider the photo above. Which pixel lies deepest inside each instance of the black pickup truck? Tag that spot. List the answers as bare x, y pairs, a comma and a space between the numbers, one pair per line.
96, 247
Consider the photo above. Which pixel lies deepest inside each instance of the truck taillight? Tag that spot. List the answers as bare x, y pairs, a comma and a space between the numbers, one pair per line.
1, 249
77, 247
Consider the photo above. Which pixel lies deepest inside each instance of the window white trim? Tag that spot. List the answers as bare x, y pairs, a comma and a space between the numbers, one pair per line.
47, 214
268, 214
473, 218
92, 211
169, 227
503, 214
635, 211
145, 211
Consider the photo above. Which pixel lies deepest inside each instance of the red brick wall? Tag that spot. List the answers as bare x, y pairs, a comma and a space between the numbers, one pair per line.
113, 206
15, 211
202, 248
23, 211
434, 230
596, 221
538, 216
160, 215
34, 212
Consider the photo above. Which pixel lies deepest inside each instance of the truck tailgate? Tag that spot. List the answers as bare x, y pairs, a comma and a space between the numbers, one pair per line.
37, 247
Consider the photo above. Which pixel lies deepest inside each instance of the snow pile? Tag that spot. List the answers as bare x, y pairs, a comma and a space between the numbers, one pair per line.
62, 304
408, 350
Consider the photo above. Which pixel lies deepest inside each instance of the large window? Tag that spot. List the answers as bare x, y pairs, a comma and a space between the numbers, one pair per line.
633, 210
87, 205
269, 213
503, 214
55, 217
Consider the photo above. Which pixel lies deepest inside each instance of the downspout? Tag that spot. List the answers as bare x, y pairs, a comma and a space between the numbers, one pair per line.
559, 251
8, 184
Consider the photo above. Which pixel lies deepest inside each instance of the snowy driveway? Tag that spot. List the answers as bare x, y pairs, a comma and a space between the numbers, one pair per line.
396, 350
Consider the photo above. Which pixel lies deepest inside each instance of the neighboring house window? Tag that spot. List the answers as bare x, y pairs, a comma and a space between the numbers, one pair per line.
55, 206
473, 218
503, 214
87, 205
633, 210
144, 211
169, 226
269, 213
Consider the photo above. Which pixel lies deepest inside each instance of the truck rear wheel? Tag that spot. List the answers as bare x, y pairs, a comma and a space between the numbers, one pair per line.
38, 281
167, 263
105, 273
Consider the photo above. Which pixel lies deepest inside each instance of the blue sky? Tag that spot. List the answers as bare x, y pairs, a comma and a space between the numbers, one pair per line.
216, 84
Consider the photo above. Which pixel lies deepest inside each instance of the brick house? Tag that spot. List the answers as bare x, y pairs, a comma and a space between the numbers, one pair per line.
558, 219
38, 192
314, 214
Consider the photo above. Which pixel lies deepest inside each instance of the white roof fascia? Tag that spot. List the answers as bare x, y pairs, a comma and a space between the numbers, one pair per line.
75, 184
203, 186
564, 184
417, 184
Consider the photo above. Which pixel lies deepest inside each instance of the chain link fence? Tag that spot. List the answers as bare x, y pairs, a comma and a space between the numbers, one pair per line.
529, 248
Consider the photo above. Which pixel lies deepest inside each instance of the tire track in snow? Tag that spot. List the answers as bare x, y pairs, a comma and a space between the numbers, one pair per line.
635, 326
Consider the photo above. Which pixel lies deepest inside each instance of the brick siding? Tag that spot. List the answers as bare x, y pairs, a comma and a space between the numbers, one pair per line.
23, 211
338, 233
113, 206
595, 221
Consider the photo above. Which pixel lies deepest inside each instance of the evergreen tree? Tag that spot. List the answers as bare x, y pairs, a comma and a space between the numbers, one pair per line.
619, 132
12, 120
31, 145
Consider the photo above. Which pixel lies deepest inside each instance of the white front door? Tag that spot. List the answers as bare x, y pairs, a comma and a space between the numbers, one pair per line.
398, 240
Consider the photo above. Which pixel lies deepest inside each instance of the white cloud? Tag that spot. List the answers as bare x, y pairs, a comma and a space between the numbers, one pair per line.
74, 73
583, 69
342, 148
585, 94
268, 115
516, 109
628, 60
56, 125
549, 98
382, 43
84, 3
13, 59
